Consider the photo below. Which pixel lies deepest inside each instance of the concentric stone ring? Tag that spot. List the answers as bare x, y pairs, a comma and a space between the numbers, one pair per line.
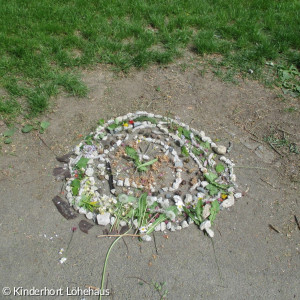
150, 172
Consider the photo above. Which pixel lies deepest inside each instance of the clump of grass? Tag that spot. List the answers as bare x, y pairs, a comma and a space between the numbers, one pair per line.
45, 43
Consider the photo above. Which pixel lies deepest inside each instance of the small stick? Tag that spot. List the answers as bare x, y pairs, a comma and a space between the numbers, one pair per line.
116, 235
268, 183
92, 287
139, 279
297, 222
275, 149
273, 228
155, 243
287, 131
251, 133
256, 140
46, 144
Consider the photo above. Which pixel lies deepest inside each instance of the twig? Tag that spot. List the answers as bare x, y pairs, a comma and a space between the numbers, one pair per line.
256, 140
268, 183
118, 235
273, 228
141, 279
297, 222
92, 287
46, 144
251, 133
147, 149
286, 131
155, 243
275, 149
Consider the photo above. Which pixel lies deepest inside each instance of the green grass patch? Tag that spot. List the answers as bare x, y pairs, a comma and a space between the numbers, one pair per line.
43, 43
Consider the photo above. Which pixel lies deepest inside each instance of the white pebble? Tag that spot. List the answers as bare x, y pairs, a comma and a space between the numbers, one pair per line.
184, 224
103, 219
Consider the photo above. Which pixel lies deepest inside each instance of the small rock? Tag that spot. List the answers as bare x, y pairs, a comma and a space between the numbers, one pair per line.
112, 220
177, 198
82, 210
190, 221
178, 164
89, 172
146, 238
103, 219
168, 196
157, 228
200, 189
135, 223
228, 202
221, 150
238, 195
163, 226
184, 224
126, 182
178, 227
89, 215
204, 183
169, 225
120, 183
188, 198
123, 223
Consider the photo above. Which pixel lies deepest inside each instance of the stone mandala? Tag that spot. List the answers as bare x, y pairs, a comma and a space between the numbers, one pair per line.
150, 172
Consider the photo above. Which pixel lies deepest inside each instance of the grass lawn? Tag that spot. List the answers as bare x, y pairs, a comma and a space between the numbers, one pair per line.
43, 43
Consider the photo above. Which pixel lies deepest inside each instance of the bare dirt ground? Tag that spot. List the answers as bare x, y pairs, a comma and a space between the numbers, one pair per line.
249, 260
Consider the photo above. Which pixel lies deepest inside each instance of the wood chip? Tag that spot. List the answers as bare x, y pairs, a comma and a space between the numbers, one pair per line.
85, 226
64, 208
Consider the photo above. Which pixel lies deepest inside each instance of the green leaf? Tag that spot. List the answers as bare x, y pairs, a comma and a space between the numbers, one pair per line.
8, 141
199, 209
187, 134
220, 168
180, 131
205, 145
160, 219
131, 152
210, 177
142, 169
101, 122
45, 125
215, 208
198, 139
142, 205
184, 151
113, 126
148, 163
10, 132
75, 184
213, 190
27, 128
145, 118
82, 163
191, 215
196, 151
